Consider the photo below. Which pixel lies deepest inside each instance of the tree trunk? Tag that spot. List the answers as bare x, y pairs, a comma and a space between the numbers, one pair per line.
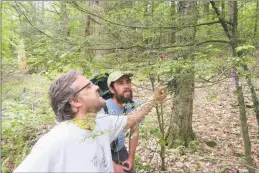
34, 12
87, 29
64, 19
181, 126
99, 29
247, 143
43, 12
223, 11
256, 21
173, 14
22, 62
181, 130
242, 109
206, 7
254, 96
233, 11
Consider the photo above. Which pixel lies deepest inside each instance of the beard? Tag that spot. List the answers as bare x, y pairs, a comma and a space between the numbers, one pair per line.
121, 99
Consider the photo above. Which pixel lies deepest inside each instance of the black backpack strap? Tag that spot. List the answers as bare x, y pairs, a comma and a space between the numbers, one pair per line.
106, 109
124, 110
132, 106
132, 103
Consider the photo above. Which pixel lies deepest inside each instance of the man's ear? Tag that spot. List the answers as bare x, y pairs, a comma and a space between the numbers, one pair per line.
112, 90
75, 102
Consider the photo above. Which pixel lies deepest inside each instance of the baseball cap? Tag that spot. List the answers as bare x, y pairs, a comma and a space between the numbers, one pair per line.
116, 75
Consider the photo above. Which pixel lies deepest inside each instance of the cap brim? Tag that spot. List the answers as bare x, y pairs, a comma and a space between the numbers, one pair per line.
124, 74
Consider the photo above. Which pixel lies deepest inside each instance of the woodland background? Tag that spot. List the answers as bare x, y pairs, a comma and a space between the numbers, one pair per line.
207, 52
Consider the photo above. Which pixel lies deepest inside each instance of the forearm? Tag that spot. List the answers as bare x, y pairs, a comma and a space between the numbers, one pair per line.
139, 114
133, 142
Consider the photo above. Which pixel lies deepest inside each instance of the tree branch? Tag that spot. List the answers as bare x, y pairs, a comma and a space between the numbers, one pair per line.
75, 5
56, 11
41, 30
142, 47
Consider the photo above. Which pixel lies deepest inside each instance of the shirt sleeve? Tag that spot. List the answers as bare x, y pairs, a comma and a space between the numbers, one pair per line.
117, 125
137, 104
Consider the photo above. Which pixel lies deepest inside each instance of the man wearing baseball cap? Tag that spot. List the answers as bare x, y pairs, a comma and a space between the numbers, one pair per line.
120, 104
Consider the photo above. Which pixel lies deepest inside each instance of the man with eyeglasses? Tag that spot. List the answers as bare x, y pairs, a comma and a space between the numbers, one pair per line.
81, 141
121, 104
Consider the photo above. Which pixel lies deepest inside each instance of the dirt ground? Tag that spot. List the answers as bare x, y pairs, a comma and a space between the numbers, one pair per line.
215, 118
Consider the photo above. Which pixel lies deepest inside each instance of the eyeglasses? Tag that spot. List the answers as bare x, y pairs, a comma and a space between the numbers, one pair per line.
87, 85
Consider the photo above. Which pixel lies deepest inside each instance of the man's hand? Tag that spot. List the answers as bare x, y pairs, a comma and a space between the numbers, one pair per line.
118, 168
128, 164
159, 93
138, 115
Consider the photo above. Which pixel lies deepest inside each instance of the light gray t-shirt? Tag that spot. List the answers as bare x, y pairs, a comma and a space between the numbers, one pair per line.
68, 148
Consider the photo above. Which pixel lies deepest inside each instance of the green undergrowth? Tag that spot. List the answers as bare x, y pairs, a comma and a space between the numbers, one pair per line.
26, 115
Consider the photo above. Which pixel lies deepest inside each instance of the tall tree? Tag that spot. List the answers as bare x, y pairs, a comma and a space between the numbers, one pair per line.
173, 13
231, 33
87, 21
64, 19
206, 7
256, 22
184, 87
22, 61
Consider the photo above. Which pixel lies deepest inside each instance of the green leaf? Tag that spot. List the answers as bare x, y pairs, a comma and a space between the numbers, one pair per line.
162, 142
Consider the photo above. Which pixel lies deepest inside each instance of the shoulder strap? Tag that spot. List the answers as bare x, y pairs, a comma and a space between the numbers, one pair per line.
106, 109
132, 103
132, 107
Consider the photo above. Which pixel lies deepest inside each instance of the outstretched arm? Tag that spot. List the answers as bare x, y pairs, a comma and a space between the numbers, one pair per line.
138, 114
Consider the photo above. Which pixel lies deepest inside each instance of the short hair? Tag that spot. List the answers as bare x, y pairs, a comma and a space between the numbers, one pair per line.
60, 93
112, 85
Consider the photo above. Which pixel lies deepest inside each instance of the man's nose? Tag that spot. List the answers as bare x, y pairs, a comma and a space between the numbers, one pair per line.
96, 87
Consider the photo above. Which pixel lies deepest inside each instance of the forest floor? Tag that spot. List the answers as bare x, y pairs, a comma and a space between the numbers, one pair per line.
215, 119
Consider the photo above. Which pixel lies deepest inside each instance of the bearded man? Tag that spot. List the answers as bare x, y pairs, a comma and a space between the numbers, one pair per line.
120, 104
